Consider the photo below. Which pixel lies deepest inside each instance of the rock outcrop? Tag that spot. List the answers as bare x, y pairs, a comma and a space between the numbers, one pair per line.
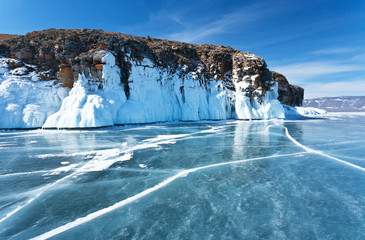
116, 74
290, 95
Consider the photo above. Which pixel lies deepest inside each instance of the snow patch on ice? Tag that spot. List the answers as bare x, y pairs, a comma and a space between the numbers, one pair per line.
142, 165
60, 170
310, 111
160, 138
294, 112
103, 160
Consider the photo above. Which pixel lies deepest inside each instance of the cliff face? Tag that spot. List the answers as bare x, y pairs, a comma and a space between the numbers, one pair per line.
164, 79
68, 53
288, 94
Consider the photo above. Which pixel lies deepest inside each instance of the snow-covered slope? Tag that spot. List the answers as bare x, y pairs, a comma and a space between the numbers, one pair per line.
338, 104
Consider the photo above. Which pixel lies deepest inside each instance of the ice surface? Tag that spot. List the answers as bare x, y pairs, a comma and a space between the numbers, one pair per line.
310, 150
229, 179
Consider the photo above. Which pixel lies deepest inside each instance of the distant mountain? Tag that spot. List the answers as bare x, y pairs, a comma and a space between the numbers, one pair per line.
337, 104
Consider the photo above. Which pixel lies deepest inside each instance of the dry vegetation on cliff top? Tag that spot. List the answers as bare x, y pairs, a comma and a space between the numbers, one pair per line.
7, 36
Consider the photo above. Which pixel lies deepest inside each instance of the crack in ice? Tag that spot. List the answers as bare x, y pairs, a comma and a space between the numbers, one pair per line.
34, 198
147, 143
92, 165
146, 192
22, 173
310, 150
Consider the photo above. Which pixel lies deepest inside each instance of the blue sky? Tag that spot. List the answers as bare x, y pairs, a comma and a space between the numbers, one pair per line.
317, 44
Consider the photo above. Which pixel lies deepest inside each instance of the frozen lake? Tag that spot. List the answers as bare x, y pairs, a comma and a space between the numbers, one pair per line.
277, 179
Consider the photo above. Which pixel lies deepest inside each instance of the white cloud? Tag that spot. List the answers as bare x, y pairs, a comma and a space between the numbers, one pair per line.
200, 31
317, 77
298, 73
335, 89
330, 51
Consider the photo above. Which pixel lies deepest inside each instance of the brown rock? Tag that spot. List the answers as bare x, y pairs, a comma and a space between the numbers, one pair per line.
46, 55
288, 94
12, 64
23, 55
99, 66
65, 75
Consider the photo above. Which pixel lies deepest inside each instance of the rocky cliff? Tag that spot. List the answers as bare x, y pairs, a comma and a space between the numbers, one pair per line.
116, 78
288, 94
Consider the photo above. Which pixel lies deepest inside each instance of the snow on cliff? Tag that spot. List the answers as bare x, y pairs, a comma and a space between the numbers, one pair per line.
154, 95
86, 107
26, 102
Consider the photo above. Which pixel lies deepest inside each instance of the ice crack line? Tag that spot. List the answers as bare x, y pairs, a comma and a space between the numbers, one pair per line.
310, 150
149, 143
35, 197
124, 202
22, 173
